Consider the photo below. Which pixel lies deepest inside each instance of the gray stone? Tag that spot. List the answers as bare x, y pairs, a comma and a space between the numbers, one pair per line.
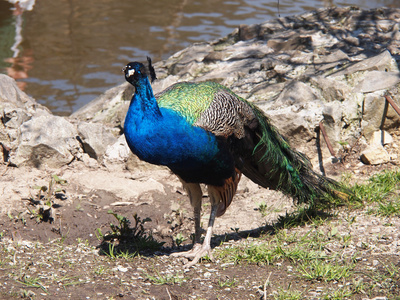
297, 123
294, 72
95, 138
9, 91
46, 141
374, 114
377, 80
295, 42
295, 92
332, 113
331, 60
117, 152
331, 89
381, 62
381, 137
14, 116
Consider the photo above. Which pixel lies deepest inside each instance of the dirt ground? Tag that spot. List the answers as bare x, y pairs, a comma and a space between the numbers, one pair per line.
62, 259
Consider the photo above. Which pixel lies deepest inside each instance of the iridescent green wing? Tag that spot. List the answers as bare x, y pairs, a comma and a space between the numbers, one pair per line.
189, 99
209, 105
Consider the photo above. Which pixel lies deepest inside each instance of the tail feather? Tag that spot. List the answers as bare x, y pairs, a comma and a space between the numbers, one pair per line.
276, 165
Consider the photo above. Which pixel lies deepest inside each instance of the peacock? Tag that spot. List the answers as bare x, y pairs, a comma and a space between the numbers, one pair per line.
206, 134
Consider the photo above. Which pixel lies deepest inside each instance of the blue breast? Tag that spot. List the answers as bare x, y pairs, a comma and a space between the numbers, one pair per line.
169, 140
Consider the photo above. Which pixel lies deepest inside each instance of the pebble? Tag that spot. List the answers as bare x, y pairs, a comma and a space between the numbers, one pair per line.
121, 269
227, 264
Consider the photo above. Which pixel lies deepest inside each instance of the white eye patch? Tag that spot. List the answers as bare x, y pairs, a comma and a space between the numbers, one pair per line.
131, 72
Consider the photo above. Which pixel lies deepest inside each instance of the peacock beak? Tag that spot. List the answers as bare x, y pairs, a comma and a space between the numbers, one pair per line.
128, 73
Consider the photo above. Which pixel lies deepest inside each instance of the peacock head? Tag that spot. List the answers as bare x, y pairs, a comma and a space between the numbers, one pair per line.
134, 71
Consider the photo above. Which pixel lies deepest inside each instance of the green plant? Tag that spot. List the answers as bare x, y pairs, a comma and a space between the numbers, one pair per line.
100, 270
263, 208
299, 217
99, 234
287, 294
125, 240
382, 192
388, 208
228, 282
325, 271
179, 239
44, 200
31, 282
377, 187
160, 279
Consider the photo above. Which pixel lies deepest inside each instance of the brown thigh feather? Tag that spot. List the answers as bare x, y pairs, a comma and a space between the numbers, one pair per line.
227, 191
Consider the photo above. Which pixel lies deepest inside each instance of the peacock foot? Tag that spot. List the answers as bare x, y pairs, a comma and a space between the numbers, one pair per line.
198, 251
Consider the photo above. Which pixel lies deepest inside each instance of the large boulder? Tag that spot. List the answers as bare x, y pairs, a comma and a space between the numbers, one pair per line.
46, 141
31, 136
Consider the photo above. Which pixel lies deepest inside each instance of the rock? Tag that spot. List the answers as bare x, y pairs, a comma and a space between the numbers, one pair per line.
375, 155
46, 141
295, 42
331, 89
88, 161
16, 107
381, 137
117, 152
381, 62
374, 114
14, 116
332, 113
9, 91
95, 138
297, 122
291, 65
377, 80
120, 184
331, 61
295, 92
109, 108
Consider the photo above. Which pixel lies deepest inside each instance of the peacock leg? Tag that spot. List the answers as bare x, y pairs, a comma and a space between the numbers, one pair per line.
205, 249
195, 196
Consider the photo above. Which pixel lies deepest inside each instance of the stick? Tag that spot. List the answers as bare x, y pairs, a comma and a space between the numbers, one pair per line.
328, 143
265, 286
391, 102
169, 294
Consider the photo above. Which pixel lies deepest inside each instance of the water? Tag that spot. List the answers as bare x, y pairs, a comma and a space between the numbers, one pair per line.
65, 53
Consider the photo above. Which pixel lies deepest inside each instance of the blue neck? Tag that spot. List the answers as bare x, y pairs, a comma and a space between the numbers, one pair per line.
144, 101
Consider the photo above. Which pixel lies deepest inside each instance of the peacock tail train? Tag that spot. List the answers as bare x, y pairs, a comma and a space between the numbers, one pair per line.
294, 170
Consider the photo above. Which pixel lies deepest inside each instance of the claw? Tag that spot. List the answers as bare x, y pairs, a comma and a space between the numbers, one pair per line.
188, 254
195, 254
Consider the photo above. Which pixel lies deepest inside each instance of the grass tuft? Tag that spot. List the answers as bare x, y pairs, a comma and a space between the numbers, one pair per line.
124, 241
